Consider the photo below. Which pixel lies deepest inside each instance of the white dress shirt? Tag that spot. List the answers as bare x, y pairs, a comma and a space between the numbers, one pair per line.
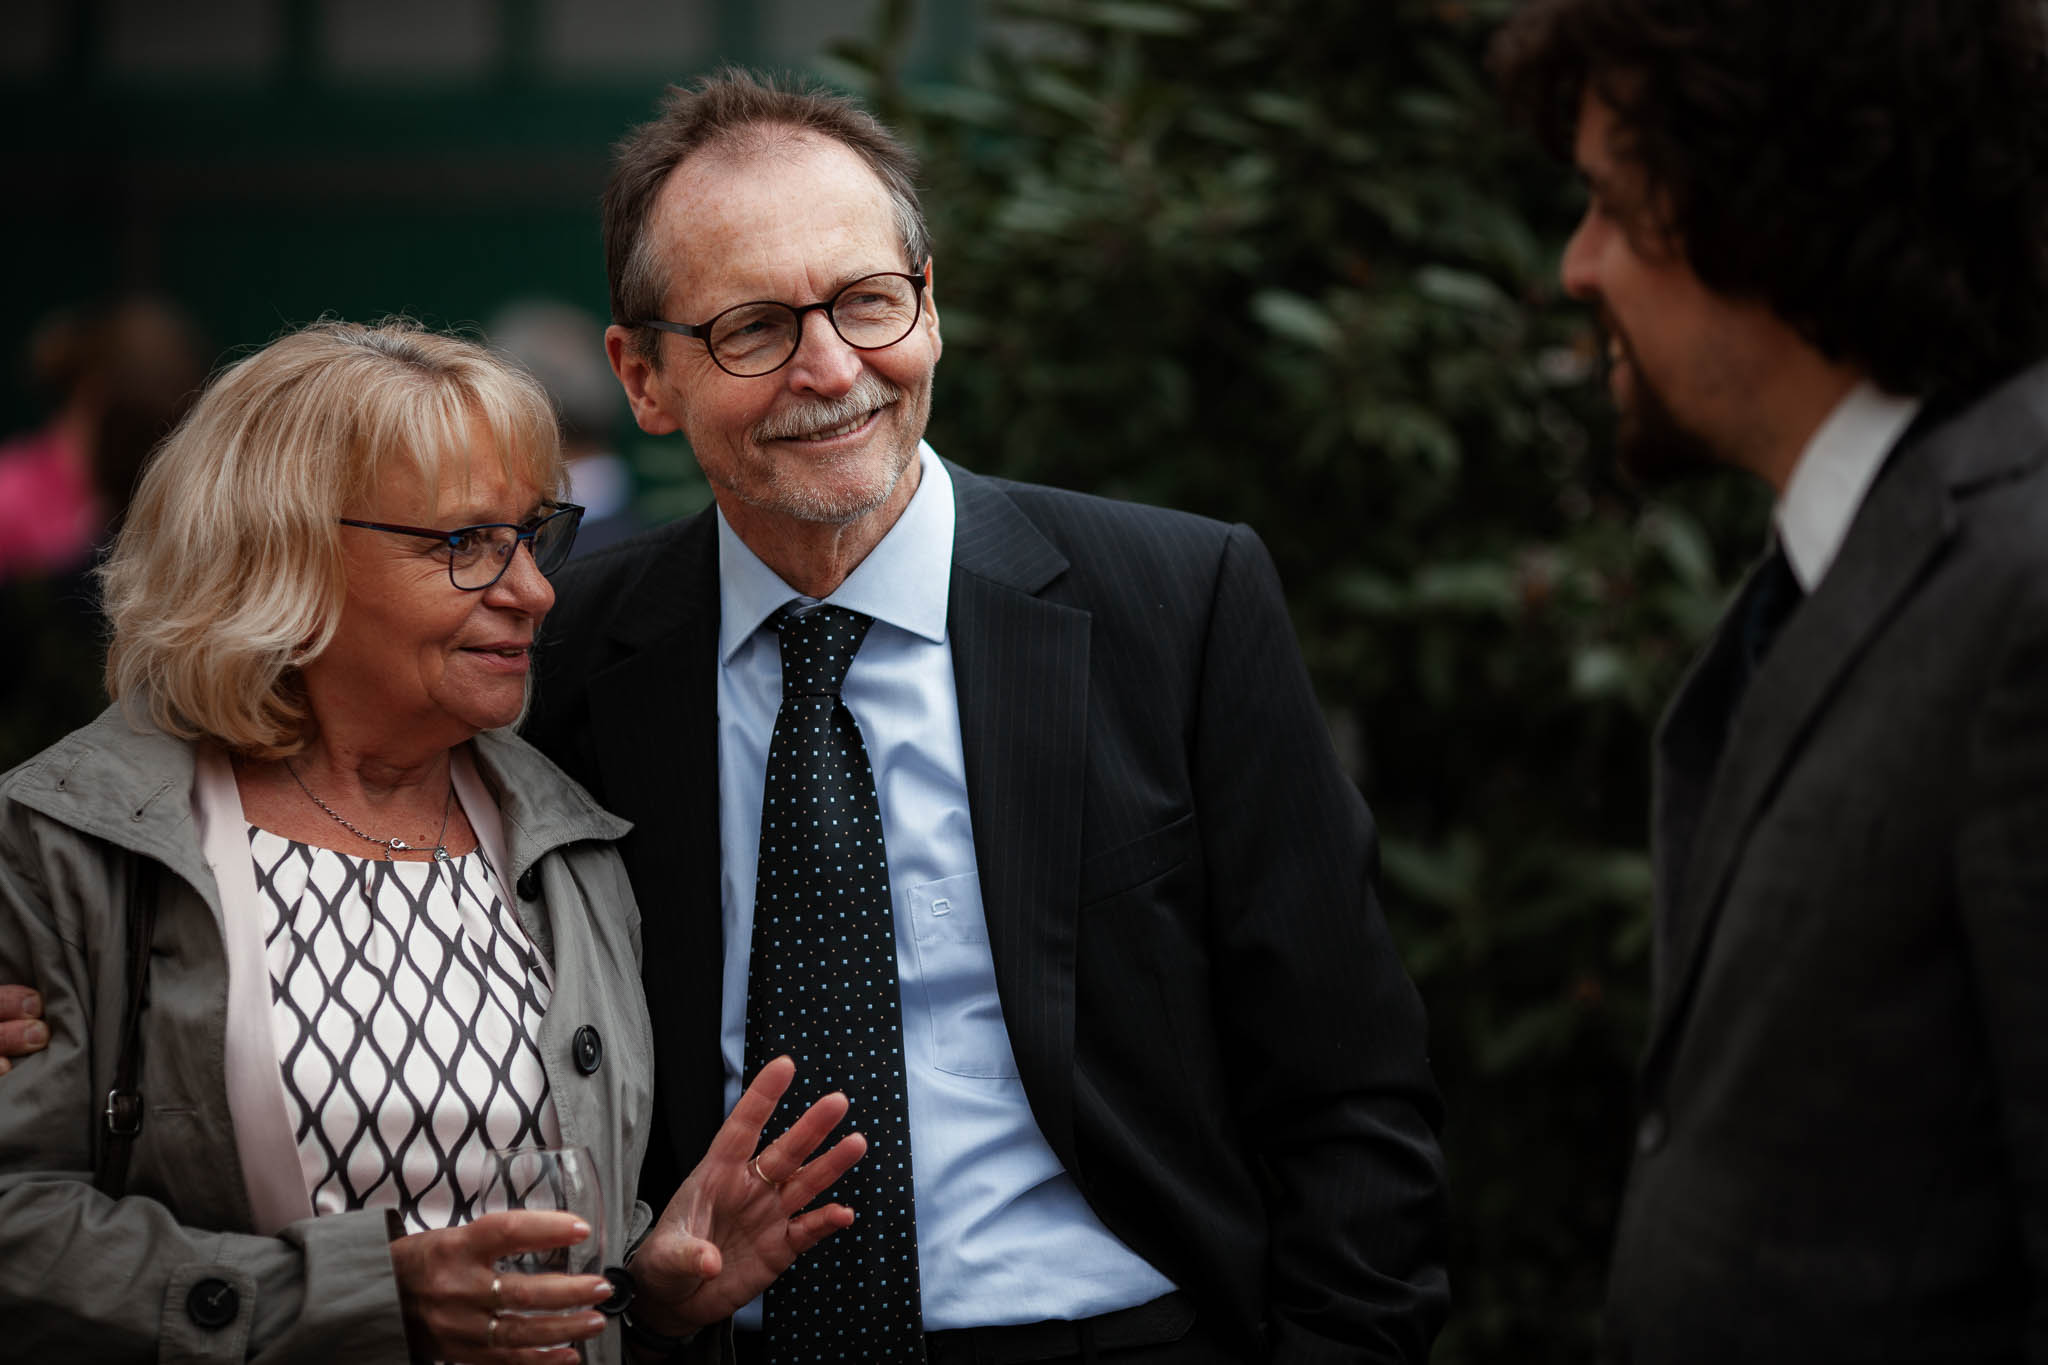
1834, 473
1003, 1235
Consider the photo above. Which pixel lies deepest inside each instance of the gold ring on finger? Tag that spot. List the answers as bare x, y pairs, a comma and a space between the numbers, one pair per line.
491, 1333
754, 1165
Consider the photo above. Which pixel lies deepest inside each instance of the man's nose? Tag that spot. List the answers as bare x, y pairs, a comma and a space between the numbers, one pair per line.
823, 362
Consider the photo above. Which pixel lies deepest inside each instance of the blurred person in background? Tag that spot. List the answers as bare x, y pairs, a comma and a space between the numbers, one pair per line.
1817, 238
377, 934
121, 375
564, 347
117, 376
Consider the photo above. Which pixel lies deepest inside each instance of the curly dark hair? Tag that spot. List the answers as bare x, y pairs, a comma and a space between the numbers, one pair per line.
1874, 171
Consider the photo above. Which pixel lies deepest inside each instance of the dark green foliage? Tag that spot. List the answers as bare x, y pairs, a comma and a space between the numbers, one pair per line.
1282, 262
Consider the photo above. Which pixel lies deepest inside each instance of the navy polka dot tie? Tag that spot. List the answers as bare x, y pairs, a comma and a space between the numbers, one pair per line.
821, 986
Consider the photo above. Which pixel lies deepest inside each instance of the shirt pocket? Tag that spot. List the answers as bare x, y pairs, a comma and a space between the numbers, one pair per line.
959, 979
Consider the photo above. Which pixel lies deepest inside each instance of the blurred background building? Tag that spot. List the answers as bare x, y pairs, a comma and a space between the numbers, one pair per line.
267, 161
260, 163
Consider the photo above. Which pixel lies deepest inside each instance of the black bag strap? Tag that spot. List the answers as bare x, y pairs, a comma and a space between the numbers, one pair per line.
123, 1114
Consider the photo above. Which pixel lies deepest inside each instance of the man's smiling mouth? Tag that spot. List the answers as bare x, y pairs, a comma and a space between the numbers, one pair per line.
846, 428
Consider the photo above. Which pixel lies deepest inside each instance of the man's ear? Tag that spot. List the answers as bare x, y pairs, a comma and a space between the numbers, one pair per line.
637, 376
931, 310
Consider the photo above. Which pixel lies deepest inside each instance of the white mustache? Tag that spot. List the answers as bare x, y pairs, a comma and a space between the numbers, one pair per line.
869, 392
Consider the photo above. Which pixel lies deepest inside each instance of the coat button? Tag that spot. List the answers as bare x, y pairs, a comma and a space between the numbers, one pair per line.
1651, 1132
622, 1291
529, 884
589, 1049
213, 1304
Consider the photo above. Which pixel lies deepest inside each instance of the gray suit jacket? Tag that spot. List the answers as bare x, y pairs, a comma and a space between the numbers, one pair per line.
1842, 1152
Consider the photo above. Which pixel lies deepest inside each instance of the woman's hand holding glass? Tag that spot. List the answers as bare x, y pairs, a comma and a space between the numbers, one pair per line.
459, 1306
739, 1221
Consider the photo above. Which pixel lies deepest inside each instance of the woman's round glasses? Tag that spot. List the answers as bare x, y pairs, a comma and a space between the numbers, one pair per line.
479, 555
759, 338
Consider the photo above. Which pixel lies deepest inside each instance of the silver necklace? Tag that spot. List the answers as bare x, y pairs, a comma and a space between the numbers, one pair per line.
390, 846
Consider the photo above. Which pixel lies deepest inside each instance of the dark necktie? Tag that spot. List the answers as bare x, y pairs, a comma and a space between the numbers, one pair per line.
1773, 594
821, 986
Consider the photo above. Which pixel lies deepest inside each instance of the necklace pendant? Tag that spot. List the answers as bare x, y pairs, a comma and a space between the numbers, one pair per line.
390, 846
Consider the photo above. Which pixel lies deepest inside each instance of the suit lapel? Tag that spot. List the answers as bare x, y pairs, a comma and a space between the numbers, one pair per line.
1020, 666
654, 716
1688, 746
1708, 803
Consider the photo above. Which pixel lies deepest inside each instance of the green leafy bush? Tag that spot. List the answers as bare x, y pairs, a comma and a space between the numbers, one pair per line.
1282, 262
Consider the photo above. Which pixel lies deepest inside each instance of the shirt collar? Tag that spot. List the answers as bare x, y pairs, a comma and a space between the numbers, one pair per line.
904, 580
1834, 473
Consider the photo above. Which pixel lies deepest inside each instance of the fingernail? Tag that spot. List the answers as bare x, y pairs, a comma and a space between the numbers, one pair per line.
582, 1228
31, 1004
5, 1066
35, 1035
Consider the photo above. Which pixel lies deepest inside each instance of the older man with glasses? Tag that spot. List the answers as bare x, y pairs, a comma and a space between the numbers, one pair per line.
1090, 938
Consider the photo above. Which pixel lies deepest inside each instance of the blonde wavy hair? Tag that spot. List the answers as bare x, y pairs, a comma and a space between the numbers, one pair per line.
227, 574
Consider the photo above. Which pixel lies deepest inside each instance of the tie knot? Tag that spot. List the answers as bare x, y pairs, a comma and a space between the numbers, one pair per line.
818, 647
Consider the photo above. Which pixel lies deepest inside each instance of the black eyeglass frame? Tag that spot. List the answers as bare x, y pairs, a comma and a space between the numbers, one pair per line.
701, 331
523, 534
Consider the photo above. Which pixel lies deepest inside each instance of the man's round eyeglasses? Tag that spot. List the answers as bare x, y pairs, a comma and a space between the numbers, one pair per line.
479, 555
758, 338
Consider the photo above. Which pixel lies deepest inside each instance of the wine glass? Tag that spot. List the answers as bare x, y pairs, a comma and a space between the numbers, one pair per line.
562, 1178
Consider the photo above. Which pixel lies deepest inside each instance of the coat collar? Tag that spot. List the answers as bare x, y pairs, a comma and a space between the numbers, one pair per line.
676, 588
132, 785
995, 541
124, 782
652, 715
1712, 788
1020, 669
542, 808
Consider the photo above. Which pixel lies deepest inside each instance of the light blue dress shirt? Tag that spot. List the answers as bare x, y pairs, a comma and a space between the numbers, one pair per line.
1003, 1236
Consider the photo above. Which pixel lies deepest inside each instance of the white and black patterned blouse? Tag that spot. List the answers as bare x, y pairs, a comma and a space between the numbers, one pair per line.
406, 1001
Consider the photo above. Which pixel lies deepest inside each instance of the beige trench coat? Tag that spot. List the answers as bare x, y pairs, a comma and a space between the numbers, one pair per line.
83, 1277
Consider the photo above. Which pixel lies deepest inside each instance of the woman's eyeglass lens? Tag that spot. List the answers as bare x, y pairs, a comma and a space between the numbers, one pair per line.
479, 555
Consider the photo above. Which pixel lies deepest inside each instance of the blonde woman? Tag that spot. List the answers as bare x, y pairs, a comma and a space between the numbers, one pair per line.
381, 935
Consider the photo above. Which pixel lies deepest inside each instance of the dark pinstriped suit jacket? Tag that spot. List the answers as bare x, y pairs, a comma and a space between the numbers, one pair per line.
1843, 1150
1207, 1014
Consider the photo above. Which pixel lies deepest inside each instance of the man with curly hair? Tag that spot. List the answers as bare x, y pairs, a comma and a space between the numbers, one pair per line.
1815, 237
